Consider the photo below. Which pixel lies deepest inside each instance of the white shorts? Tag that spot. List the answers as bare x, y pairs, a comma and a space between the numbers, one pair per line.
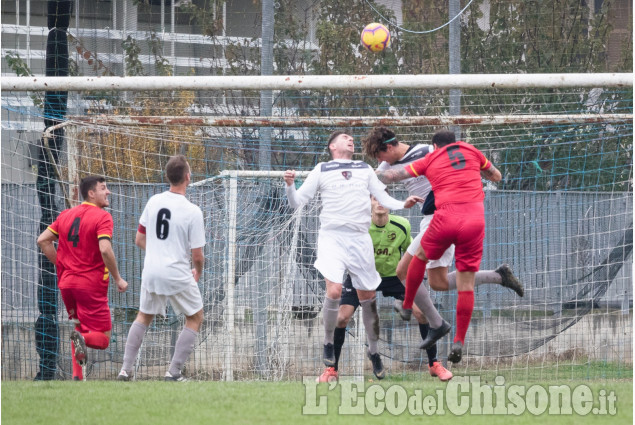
342, 251
446, 258
188, 301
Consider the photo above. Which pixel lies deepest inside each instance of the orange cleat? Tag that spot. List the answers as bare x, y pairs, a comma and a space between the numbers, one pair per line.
329, 375
439, 371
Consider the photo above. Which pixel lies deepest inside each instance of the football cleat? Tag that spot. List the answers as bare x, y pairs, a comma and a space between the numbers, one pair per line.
404, 313
456, 353
80, 347
123, 376
170, 377
329, 355
509, 280
435, 334
329, 375
378, 367
440, 372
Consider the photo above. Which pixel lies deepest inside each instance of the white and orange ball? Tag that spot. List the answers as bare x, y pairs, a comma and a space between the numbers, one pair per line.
375, 37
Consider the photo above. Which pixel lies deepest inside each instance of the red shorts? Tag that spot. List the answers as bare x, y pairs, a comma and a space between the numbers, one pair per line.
462, 225
89, 306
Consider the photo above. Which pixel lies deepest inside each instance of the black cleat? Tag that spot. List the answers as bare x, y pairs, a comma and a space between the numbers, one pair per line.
123, 376
509, 280
435, 334
80, 347
329, 355
378, 367
456, 353
404, 313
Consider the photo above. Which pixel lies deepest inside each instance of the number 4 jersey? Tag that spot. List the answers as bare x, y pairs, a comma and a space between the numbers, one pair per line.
174, 226
79, 262
454, 172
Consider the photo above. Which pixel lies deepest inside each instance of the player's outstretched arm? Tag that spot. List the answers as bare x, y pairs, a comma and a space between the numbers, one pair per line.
289, 177
411, 201
393, 175
45, 242
492, 174
105, 247
298, 198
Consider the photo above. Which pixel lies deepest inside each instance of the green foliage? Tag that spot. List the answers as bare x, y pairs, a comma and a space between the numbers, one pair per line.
162, 65
131, 50
21, 69
85, 55
17, 64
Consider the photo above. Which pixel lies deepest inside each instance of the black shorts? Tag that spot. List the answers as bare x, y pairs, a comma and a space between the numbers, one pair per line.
389, 287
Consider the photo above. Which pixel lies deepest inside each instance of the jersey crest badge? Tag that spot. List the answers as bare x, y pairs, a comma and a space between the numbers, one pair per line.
347, 175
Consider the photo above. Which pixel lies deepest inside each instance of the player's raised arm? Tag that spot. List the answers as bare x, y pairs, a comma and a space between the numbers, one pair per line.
492, 174
299, 197
392, 175
378, 190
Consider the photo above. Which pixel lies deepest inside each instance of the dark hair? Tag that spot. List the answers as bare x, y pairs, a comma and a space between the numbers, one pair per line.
443, 138
378, 140
176, 169
89, 183
332, 137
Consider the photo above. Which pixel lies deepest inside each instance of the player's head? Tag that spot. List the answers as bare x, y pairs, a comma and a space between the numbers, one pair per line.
341, 145
94, 190
443, 138
381, 144
376, 208
177, 170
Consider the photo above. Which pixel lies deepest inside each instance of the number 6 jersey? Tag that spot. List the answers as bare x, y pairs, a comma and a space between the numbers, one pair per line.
174, 226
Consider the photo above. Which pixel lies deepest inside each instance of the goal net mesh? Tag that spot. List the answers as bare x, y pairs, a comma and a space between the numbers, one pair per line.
562, 217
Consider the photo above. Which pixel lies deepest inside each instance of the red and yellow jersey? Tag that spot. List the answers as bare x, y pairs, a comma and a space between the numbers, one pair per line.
454, 172
79, 261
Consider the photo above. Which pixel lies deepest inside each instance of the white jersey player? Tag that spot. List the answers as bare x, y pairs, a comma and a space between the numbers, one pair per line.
344, 244
171, 231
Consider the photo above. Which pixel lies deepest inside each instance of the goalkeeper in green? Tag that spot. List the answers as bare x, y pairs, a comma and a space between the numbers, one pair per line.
391, 237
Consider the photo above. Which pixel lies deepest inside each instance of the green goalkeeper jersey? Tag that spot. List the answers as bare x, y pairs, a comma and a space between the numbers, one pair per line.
390, 242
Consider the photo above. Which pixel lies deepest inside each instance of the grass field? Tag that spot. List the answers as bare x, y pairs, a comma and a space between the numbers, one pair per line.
158, 402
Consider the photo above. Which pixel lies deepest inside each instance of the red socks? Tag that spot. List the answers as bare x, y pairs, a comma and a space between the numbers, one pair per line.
464, 307
96, 340
77, 369
414, 277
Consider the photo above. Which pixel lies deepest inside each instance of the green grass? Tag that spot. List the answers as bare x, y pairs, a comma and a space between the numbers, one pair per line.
157, 402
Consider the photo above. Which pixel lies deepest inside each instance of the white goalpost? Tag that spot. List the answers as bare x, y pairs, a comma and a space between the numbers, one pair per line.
561, 217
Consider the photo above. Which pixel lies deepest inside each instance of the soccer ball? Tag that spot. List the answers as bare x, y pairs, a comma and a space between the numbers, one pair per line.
375, 37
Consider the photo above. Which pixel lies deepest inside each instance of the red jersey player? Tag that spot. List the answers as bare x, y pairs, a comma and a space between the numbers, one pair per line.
84, 261
454, 170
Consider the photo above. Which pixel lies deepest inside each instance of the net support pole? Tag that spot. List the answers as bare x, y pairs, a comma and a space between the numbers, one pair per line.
264, 161
72, 155
231, 187
454, 46
358, 347
318, 82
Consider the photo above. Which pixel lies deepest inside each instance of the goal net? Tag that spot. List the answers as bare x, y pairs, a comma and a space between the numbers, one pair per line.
562, 217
